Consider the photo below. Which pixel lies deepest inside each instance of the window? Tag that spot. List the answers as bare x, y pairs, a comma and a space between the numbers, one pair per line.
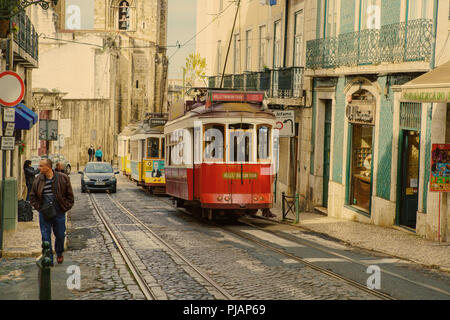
263, 140
237, 60
368, 15
153, 148
277, 44
240, 142
419, 9
262, 47
248, 50
124, 15
162, 148
360, 183
134, 150
219, 57
298, 39
213, 145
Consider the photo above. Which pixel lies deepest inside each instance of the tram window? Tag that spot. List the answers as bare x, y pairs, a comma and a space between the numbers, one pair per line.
162, 148
134, 150
213, 142
263, 138
241, 142
153, 147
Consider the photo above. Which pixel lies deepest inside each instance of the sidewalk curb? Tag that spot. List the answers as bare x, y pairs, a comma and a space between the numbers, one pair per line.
432, 266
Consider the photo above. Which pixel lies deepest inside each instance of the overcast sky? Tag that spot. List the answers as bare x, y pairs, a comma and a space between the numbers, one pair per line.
181, 27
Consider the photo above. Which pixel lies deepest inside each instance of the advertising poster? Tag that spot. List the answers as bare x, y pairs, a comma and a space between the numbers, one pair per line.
79, 14
440, 168
154, 171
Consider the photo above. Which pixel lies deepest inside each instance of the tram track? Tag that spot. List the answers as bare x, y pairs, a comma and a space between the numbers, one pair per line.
134, 270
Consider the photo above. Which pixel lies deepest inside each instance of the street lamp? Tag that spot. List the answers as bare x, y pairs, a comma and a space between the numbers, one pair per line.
9, 8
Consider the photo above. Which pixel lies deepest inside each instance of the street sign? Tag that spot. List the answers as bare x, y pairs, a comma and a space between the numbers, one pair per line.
48, 130
440, 168
9, 115
12, 89
285, 123
9, 130
8, 143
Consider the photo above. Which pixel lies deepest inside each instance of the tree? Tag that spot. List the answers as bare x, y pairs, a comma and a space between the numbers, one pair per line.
195, 69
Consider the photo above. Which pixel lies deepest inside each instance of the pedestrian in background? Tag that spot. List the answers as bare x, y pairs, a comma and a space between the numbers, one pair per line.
30, 172
59, 167
52, 195
91, 152
99, 154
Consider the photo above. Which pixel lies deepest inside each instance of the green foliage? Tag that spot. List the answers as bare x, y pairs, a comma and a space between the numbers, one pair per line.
195, 69
9, 8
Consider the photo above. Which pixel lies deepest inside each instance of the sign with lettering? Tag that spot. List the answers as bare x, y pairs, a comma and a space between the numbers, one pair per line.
9, 129
157, 122
9, 115
440, 168
237, 175
8, 143
428, 96
79, 14
361, 112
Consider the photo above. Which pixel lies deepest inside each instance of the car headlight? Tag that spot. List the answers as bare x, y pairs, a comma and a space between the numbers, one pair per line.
86, 179
113, 178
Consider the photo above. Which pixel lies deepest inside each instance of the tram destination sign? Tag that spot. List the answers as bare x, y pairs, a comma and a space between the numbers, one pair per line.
361, 112
157, 122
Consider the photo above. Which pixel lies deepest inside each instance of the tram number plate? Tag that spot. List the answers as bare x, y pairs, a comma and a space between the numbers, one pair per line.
99, 183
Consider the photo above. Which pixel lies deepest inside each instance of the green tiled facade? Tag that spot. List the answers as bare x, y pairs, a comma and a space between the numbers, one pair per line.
347, 16
338, 140
427, 158
386, 122
390, 12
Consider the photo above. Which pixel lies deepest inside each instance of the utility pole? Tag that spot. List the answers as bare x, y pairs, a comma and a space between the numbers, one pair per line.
184, 82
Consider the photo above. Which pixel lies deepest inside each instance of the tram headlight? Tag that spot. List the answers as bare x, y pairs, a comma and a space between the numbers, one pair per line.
261, 198
227, 198
219, 198
255, 198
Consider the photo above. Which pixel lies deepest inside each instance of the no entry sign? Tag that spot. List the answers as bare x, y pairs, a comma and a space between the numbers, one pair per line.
12, 89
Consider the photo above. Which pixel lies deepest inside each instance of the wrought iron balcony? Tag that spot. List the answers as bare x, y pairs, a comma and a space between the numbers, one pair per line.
278, 84
26, 38
394, 43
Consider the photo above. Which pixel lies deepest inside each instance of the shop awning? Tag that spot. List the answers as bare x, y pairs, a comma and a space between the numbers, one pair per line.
433, 86
23, 120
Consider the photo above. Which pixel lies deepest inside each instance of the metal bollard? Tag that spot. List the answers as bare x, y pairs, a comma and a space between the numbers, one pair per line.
44, 275
282, 205
296, 208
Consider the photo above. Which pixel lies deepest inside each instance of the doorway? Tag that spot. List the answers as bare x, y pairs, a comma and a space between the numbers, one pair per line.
409, 177
326, 152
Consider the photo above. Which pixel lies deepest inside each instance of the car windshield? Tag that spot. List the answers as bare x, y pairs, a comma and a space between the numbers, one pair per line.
98, 168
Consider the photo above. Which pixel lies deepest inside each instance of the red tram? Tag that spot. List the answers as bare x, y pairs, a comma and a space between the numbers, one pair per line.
220, 152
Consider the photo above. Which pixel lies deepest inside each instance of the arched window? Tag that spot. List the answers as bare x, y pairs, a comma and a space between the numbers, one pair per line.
124, 15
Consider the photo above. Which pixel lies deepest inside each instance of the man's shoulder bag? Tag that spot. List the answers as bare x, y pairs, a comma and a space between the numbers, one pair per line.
48, 209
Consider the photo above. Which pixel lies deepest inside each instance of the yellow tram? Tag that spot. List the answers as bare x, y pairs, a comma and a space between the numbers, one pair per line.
147, 155
124, 148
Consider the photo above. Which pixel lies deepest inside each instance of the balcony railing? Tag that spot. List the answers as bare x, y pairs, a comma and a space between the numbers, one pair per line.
394, 43
26, 37
280, 83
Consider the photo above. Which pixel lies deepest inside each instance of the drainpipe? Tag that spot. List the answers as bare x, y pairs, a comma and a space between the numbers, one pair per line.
285, 32
435, 24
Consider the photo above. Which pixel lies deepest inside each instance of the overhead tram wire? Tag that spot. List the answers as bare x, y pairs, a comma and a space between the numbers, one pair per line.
193, 37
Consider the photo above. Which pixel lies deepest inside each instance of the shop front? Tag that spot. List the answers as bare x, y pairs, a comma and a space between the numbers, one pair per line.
423, 175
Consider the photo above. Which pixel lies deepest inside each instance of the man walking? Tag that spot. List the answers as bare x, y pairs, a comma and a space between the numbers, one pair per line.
52, 189
91, 152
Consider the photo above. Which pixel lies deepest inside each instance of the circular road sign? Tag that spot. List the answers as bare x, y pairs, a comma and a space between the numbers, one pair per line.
12, 89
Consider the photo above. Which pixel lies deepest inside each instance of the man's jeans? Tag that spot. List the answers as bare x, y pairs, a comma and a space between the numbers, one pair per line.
91, 157
58, 224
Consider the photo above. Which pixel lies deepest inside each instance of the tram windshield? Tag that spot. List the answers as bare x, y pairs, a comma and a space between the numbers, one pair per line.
153, 147
240, 142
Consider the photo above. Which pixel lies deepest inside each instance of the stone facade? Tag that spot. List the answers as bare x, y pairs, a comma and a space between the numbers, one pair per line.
112, 74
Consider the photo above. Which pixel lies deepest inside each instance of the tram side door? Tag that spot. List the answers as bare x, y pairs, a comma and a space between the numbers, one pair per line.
239, 177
